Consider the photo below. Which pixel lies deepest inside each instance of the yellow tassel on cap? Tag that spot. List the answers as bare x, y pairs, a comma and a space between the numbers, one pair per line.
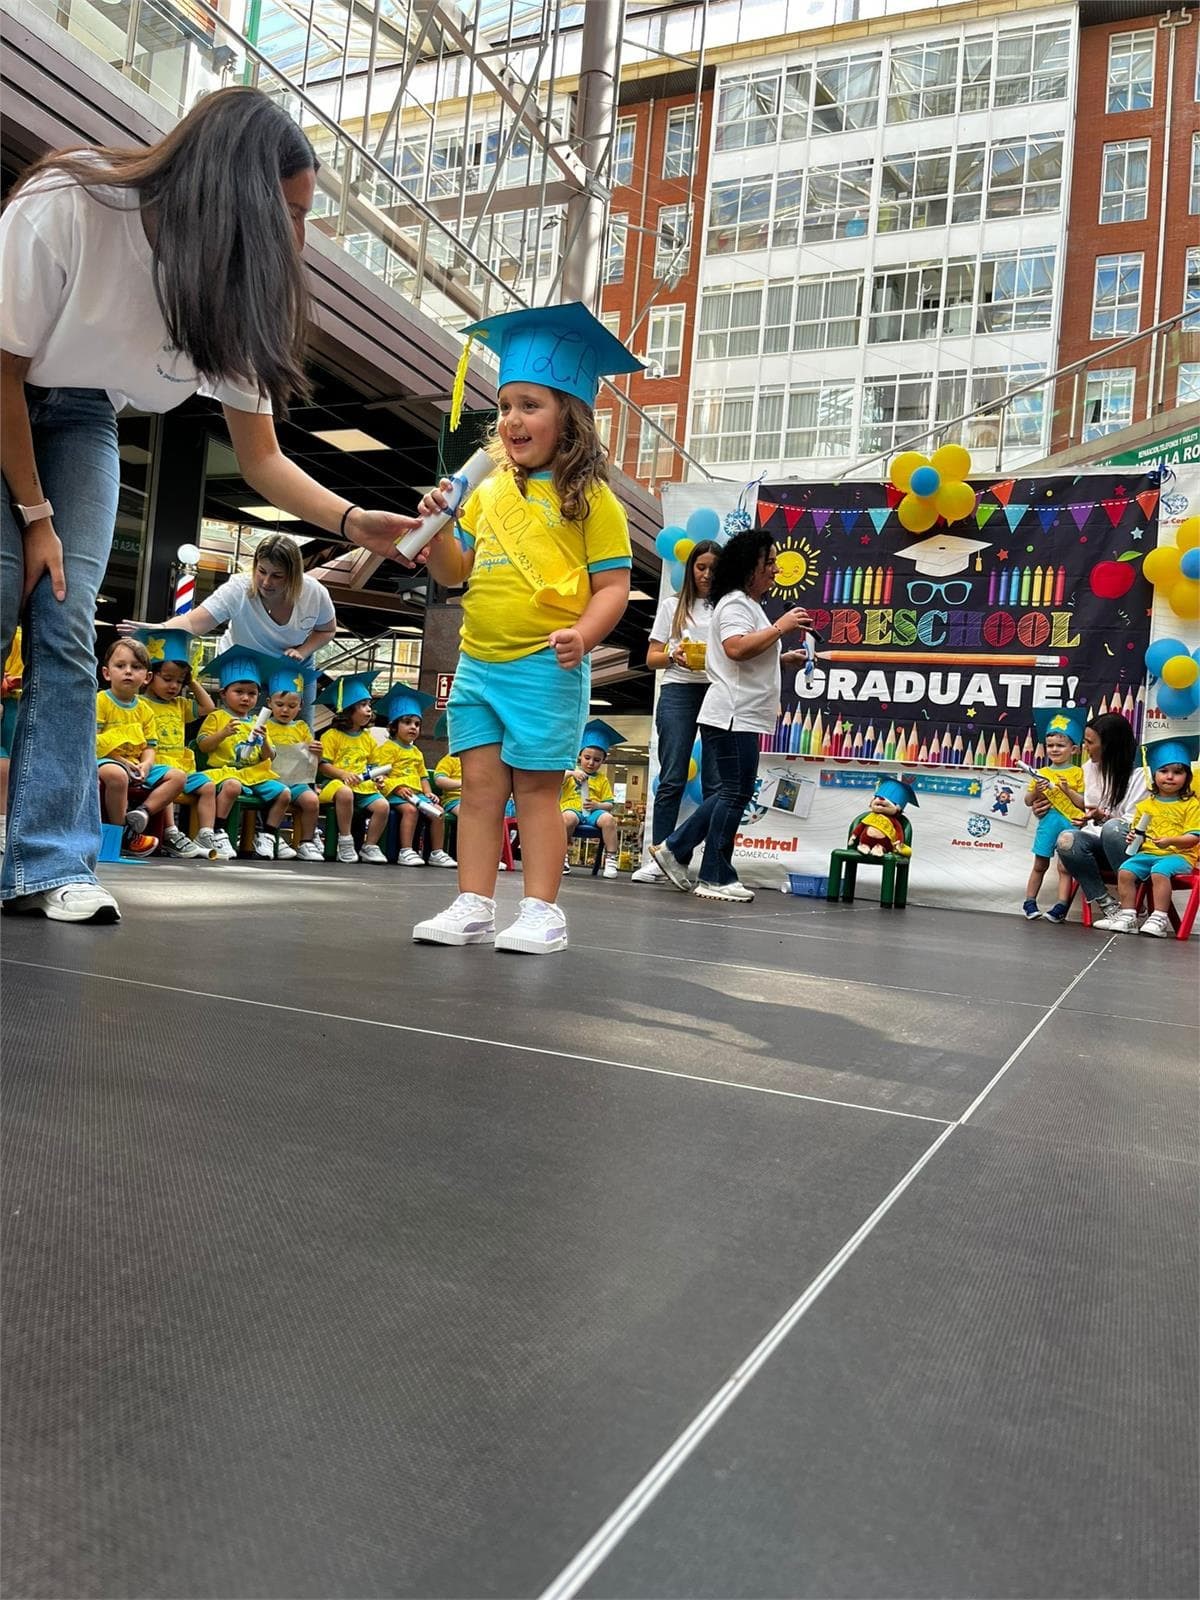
460, 384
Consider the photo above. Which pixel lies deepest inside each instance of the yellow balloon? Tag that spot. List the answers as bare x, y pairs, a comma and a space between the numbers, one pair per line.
1161, 566
1180, 671
684, 548
952, 461
1184, 597
954, 500
918, 516
903, 466
693, 769
1187, 534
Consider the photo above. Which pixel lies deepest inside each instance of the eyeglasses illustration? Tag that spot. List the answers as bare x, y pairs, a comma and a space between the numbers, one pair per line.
921, 591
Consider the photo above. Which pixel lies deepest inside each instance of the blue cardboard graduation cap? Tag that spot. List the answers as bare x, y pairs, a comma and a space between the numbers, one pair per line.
598, 735
897, 791
401, 701
289, 676
342, 693
166, 644
1180, 750
240, 665
560, 347
1070, 721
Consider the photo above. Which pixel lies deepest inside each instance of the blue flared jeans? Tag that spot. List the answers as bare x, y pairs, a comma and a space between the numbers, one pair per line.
715, 821
675, 720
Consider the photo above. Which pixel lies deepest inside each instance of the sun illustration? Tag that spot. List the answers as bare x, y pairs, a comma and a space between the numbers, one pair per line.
795, 566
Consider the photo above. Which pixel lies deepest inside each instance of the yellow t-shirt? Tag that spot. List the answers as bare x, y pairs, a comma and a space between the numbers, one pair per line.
450, 767
122, 731
223, 761
355, 752
171, 718
1168, 818
407, 764
1073, 778
501, 621
589, 793
281, 733
14, 667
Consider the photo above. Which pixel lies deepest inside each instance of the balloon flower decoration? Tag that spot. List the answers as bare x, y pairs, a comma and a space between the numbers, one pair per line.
675, 544
1174, 570
933, 487
1178, 675
693, 789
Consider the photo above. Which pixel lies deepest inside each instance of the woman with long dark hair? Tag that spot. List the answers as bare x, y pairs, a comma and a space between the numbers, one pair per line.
742, 703
1113, 783
139, 277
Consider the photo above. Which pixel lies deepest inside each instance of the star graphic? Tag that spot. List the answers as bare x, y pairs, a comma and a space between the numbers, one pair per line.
1001, 555
865, 538
1136, 535
970, 711
974, 787
156, 648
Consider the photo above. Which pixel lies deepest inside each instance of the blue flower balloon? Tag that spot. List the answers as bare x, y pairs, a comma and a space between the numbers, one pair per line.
1179, 702
1161, 651
925, 481
667, 540
704, 523
1189, 562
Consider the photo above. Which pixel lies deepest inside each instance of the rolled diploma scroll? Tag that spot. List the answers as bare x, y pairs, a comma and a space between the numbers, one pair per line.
464, 482
244, 750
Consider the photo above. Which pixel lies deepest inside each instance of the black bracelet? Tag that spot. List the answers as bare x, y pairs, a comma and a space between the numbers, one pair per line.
345, 514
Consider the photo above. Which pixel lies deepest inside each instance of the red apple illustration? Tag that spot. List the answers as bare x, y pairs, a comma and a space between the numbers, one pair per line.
1111, 579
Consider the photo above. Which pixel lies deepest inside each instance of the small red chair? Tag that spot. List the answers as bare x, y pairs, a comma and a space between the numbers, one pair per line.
1181, 882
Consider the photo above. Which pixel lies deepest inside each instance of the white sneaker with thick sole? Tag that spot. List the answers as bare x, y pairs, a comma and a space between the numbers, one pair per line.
566, 866
373, 854
673, 868
226, 846
539, 930
470, 920
310, 850
722, 891
1157, 925
176, 843
137, 820
264, 847
345, 849
439, 858
284, 849
610, 867
70, 902
650, 873
410, 858
1119, 922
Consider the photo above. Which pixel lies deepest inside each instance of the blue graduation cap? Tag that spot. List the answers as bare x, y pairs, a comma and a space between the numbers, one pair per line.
166, 644
562, 347
342, 693
240, 665
897, 791
1070, 721
289, 676
1180, 750
401, 701
598, 735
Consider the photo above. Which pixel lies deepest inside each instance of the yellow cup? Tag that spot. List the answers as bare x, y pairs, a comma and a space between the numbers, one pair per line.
695, 654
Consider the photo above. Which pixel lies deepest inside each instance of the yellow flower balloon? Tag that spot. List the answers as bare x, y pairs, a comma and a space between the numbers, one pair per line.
952, 461
916, 515
954, 500
1187, 534
1184, 597
902, 468
684, 548
1180, 671
1161, 566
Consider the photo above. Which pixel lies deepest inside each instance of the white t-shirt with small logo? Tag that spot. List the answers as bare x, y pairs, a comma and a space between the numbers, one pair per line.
744, 695
696, 629
77, 297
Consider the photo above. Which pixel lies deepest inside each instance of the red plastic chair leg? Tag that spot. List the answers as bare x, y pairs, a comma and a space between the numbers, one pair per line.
1185, 923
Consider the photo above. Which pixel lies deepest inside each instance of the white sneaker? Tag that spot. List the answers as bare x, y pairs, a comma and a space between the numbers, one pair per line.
264, 846
345, 849
470, 920
1119, 922
3, 833
650, 873
310, 850
439, 858
137, 820
373, 854
610, 867
1157, 925
176, 843
722, 891
70, 902
566, 866
226, 848
409, 858
540, 929
284, 850
672, 868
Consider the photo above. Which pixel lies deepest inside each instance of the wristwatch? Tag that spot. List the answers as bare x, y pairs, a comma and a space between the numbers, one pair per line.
32, 514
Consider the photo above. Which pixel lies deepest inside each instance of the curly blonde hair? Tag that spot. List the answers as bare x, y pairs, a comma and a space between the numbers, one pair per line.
579, 463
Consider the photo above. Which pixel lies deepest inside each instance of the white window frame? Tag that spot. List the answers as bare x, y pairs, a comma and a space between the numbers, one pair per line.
655, 455
736, 128
1188, 388
1122, 50
665, 327
1099, 392
616, 248
722, 339
829, 328
624, 166
1191, 291
830, 432
1194, 189
1021, 279
1124, 202
1034, 82
673, 255
679, 143
742, 234
921, 99
926, 203
868, 111
1117, 310
1036, 194
604, 420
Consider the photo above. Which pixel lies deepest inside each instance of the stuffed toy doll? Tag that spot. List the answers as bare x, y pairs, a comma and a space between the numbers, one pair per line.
881, 830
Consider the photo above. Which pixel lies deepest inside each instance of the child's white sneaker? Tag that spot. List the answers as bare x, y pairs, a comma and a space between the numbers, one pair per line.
225, 846
410, 858
610, 866
264, 847
284, 850
310, 850
373, 854
439, 858
470, 920
345, 848
1157, 925
1119, 922
137, 820
540, 929
176, 843
566, 866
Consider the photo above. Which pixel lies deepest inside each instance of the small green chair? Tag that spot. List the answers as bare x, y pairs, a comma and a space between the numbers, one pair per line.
844, 865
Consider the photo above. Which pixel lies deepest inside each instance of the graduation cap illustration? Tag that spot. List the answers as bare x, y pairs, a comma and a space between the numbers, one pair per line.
941, 555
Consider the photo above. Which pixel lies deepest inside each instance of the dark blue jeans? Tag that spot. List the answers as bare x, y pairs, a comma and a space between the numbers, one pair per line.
1085, 856
715, 822
678, 710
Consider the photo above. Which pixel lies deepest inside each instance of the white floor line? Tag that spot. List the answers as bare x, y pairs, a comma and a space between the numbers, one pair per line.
772, 933
470, 1038
606, 1538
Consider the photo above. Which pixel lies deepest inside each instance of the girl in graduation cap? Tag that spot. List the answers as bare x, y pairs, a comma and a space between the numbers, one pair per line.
407, 785
544, 549
1163, 837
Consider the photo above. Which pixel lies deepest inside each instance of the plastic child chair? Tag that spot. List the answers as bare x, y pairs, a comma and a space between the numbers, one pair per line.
844, 865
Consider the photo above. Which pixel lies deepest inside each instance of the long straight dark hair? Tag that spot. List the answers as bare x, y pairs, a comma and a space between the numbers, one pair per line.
227, 273
1118, 754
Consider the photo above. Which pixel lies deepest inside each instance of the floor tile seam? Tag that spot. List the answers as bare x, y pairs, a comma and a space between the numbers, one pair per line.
1121, 1016
499, 1044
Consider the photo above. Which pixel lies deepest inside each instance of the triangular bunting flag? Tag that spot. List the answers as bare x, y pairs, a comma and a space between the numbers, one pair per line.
792, 515
1148, 499
1014, 514
1047, 516
848, 519
878, 515
820, 518
894, 495
1003, 491
766, 511
984, 514
1080, 514
1115, 509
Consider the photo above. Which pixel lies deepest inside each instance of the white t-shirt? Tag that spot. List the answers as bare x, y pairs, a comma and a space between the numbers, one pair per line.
77, 297
1093, 792
743, 695
250, 625
696, 628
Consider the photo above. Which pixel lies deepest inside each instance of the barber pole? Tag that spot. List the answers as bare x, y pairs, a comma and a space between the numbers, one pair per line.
185, 591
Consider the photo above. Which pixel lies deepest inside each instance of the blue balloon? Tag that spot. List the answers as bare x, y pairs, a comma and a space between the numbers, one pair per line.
704, 523
1178, 702
694, 791
1196, 655
925, 481
1189, 562
667, 540
1161, 651
675, 575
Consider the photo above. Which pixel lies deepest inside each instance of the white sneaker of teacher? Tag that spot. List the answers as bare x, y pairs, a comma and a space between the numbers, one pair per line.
650, 873
540, 929
70, 902
722, 891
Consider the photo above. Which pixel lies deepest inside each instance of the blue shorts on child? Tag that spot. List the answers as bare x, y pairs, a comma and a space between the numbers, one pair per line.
1145, 865
531, 707
1046, 834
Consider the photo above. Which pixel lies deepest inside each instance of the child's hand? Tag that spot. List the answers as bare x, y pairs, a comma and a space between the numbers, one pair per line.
568, 647
313, 748
435, 500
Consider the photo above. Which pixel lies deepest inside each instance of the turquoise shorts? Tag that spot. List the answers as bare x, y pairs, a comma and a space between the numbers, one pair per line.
195, 781
297, 789
265, 791
1144, 866
531, 708
1045, 838
449, 806
152, 779
8, 726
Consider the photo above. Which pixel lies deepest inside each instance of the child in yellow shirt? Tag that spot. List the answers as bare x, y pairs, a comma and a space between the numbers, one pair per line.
1061, 783
1165, 835
587, 795
350, 767
173, 711
238, 750
407, 784
286, 731
126, 746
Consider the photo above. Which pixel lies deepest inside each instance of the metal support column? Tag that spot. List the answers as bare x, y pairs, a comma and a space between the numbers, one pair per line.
595, 116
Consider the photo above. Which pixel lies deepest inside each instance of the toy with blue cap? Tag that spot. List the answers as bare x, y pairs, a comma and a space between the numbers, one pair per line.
880, 831
1163, 839
1060, 783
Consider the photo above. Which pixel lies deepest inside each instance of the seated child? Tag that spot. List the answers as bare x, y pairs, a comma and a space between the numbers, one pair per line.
408, 780
10, 697
126, 755
286, 731
173, 711
1165, 834
587, 795
1061, 782
239, 752
349, 759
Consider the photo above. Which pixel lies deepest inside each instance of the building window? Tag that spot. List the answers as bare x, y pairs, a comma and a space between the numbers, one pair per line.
612, 321
922, 82
813, 314
604, 428
1016, 291
1031, 65
970, 176
624, 144
664, 341
614, 255
1125, 181
914, 191
898, 406
730, 318
1025, 176
679, 153
819, 421
748, 110
845, 94
723, 425
1194, 191
837, 203
1191, 292
739, 216
1117, 296
1107, 402
1189, 382
655, 454
671, 247
1131, 71
921, 302
1024, 417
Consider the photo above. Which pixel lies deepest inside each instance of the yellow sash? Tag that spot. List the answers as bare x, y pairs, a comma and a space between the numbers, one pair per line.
522, 532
